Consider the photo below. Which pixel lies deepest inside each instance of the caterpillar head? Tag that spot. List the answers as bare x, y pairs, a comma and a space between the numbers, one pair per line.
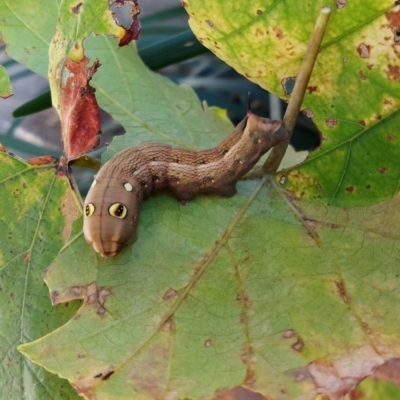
111, 212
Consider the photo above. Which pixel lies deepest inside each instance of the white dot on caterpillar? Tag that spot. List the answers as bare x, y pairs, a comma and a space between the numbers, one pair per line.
128, 187
93, 183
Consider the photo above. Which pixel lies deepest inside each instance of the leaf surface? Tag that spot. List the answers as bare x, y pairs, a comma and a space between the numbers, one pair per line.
227, 292
5, 83
220, 292
353, 94
37, 205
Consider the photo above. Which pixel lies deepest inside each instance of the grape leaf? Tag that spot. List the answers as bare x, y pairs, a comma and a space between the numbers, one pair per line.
282, 295
352, 97
36, 206
277, 294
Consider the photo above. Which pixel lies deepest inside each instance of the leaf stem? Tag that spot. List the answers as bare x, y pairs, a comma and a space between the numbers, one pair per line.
296, 99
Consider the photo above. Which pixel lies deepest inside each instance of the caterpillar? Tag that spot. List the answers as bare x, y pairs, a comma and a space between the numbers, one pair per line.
112, 204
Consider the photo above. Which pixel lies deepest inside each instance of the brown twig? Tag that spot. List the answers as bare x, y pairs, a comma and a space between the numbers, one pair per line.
292, 111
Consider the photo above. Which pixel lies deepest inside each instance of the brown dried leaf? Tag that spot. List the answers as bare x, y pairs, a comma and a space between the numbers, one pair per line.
80, 122
41, 160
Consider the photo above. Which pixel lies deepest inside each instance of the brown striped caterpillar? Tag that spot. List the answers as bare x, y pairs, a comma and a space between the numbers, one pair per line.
112, 203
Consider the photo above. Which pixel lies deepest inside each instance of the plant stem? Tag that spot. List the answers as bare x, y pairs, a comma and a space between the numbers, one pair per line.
296, 98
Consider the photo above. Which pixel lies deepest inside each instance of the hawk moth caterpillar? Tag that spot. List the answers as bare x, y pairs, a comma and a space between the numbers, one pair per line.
112, 204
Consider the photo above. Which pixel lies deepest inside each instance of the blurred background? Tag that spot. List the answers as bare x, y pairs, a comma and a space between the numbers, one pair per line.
29, 127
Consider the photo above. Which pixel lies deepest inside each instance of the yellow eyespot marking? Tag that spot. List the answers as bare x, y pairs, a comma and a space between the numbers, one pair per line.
118, 210
94, 182
89, 210
128, 187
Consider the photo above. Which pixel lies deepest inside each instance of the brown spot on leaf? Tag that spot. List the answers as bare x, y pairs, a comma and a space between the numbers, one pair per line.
259, 12
184, 4
364, 50
298, 346
246, 354
86, 387
42, 160
2, 149
312, 89
362, 122
80, 122
90, 293
168, 325
77, 9
350, 189
341, 4
318, 186
383, 170
345, 59
362, 76
27, 257
208, 343
331, 122
340, 375
393, 72
289, 333
389, 138
394, 21
278, 32
389, 371
210, 24
366, 327
308, 113
169, 294
301, 375
342, 291
107, 375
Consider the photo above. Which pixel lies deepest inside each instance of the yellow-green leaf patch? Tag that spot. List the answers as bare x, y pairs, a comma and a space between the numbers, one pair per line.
353, 94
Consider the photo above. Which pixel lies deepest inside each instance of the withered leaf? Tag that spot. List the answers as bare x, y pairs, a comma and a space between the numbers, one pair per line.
80, 121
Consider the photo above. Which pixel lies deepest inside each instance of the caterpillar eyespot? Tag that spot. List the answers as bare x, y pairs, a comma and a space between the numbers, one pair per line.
124, 181
128, 187
89, 210
118, 210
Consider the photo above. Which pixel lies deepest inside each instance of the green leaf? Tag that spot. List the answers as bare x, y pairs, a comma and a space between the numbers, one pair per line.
372, 389
149, 106
26, 29
227, 292
36, 207
258, 289
5, 83
159, 55
353, 94
282, 295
